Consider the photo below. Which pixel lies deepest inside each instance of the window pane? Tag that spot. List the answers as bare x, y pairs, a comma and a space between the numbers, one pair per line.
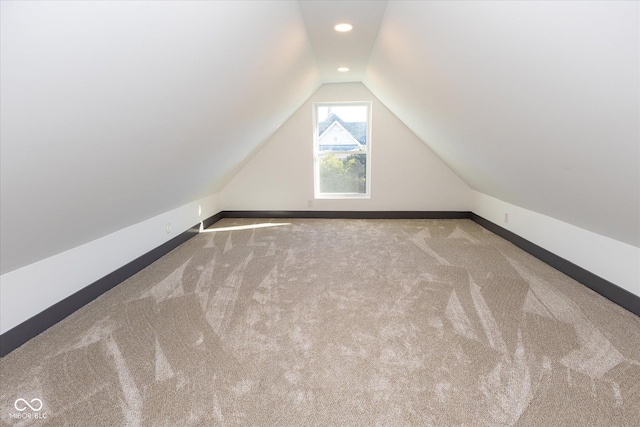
341, 144
342, 128
343, 173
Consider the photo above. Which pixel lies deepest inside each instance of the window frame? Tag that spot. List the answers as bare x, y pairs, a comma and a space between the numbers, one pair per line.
317, 153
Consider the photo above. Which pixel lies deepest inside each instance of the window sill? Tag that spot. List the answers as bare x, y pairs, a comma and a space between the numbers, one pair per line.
342, 196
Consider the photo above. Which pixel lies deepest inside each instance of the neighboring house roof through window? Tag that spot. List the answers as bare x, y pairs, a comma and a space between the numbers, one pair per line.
337, 138
358, 130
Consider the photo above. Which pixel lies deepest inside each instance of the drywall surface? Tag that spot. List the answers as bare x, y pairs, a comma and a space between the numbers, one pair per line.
117, 111
405, 174
615, 261
29, 290
533, 102
333, 49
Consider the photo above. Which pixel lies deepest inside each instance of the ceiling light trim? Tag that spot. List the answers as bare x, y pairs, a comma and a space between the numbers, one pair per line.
343, 27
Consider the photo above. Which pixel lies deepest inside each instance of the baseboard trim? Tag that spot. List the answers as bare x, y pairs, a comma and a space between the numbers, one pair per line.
350, 214
609, 290
42, 321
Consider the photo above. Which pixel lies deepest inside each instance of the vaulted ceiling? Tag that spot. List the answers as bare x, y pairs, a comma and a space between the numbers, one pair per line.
534, 103
350, 49
114, 112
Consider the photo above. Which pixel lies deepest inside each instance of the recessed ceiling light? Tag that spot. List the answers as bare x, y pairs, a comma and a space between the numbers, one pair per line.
343, 27
343, 69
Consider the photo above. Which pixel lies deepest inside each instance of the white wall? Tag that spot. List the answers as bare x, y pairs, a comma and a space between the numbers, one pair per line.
29, 290
533, 102
116, 111
405, 174
610, 259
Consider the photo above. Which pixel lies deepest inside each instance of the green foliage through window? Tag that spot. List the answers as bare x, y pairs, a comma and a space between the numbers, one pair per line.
343, 174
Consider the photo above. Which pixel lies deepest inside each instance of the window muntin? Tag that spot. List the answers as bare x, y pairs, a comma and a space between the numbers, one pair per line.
342, 150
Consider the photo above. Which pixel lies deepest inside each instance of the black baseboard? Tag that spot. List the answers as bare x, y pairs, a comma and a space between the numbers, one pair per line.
609, 290
28, 329
212, 220
349, 214
42, 321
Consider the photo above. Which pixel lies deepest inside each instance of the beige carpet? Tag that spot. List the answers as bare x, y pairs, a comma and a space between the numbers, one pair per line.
335, 323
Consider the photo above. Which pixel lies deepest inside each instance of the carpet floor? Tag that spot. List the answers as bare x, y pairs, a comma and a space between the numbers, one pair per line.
313, 322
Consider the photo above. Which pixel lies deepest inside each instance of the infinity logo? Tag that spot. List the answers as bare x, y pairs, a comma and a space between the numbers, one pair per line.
19, 404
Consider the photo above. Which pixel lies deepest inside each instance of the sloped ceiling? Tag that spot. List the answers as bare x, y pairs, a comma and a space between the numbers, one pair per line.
114, 112
534, 103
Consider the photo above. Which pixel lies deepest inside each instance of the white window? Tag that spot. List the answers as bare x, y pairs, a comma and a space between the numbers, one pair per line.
342, 150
